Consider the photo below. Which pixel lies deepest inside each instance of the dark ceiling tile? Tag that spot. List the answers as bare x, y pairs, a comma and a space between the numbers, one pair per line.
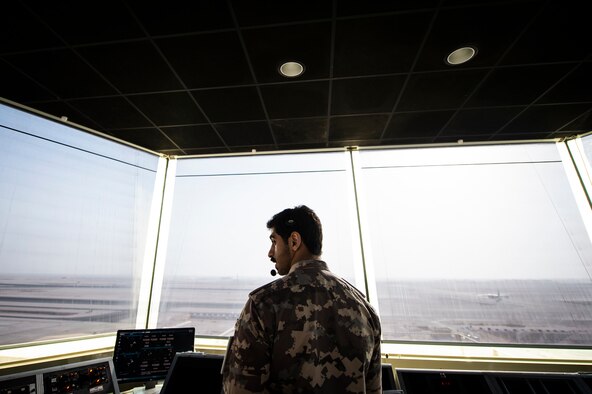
576, 87
560, 33
245, 134
308, 43
206, 151
407, 141
230, 104
516, 85
196, 47
581, 124
17, 87
378, 45
442, 90
63, 73
518, 136
111, 112
562, 134
479, 121
302, 131
21, 31
302, 146
150, 138
179, 16
491, 29
359, 127
545, 118
296, 100
365, 95
168, 109
193, 137
417, 124
357, 7
267, 12
205, 60
81, 22
132, 67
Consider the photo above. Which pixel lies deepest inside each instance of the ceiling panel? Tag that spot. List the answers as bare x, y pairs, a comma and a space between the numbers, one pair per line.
379, 44
294, 100
86, 22
489, 28
424, 124
230, 104
251, 135
168, 109
62, 72
194, 137
519, 85
291, 132
202, 77
181, 17
365, 95
131, 67
207, 60
269, 48
439, 90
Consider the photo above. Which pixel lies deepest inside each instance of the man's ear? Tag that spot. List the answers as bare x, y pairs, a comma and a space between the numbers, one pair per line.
294, 241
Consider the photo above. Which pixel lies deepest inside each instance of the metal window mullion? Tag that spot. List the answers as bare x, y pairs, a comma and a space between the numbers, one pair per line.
162, 244
576, 169
155, 234
364, 236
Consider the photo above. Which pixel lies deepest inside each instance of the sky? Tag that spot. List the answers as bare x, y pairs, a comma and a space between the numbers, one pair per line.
463, 213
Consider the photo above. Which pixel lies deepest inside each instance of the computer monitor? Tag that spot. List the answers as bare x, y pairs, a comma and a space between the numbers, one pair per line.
144, 356
194, 372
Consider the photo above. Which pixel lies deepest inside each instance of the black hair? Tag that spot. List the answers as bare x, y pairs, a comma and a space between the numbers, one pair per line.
303, 220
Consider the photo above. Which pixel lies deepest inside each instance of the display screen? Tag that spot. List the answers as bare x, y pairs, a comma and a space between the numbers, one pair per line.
146, 355
186, 366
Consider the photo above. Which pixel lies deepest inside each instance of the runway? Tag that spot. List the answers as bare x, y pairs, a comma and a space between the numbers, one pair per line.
497, 312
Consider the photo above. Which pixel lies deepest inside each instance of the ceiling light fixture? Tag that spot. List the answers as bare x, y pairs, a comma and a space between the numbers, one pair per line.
291, 69
461, 55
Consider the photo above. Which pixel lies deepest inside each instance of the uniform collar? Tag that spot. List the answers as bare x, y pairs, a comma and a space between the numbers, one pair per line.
307, 264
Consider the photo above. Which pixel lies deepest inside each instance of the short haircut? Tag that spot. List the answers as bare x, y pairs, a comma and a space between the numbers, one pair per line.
304, 221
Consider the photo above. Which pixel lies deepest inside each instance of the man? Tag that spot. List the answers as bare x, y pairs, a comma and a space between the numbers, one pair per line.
307, 332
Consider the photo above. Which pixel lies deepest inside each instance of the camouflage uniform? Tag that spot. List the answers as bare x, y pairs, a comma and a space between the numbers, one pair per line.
307, 332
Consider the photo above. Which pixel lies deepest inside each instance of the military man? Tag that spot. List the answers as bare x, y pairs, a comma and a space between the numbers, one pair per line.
307, 332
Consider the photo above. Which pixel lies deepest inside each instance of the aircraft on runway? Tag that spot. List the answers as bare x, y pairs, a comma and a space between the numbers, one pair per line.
492, 297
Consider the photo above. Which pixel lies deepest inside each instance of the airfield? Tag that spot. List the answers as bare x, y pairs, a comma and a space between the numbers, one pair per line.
491, 312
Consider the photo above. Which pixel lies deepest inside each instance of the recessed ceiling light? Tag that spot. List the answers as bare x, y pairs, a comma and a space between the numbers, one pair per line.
461, 55
291, 69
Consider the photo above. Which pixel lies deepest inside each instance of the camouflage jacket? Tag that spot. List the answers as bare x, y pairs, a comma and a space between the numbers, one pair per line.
307, 332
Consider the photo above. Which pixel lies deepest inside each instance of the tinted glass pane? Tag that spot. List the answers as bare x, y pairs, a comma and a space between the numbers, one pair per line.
478, 244
73, 223
218, 244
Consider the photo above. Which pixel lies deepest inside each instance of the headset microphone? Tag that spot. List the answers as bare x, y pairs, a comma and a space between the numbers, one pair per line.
273, 272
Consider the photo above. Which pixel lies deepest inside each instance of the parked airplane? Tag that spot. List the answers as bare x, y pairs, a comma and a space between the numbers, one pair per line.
492, 297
